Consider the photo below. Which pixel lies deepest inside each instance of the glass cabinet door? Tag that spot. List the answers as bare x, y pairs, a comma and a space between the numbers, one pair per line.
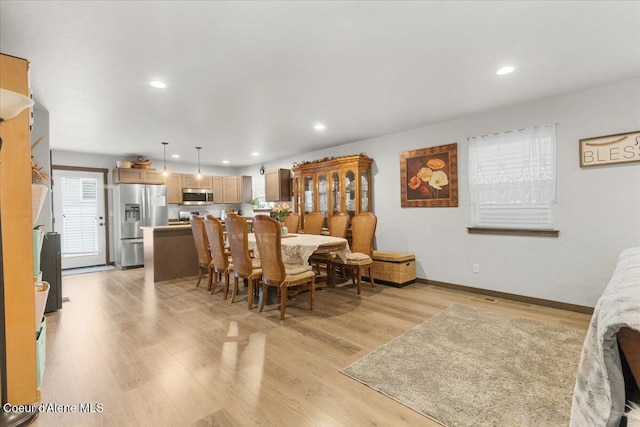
335, 193
323, 196
350, 193
308, 194
296, 195
364, 192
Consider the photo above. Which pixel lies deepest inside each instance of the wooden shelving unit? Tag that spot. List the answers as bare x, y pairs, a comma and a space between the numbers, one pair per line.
17, 238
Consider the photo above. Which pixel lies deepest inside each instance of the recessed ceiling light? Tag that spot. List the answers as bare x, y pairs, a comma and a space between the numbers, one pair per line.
158, 84
505, 70
226, 162
255, 153
175, 156
319, 126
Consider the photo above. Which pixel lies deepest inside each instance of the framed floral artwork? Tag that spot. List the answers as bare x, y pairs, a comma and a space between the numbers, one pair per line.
429, 177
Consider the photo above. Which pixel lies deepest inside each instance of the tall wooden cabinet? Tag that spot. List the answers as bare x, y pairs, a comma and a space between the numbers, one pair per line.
236, 189
173, 181
277, 185
17, 242
339, 184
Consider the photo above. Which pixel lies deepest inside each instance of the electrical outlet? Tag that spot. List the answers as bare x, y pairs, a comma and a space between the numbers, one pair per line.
476, 268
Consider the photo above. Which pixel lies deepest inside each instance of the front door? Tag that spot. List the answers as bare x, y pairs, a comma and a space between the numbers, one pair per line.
79, 217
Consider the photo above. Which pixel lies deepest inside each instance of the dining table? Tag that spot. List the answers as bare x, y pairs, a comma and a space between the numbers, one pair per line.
297, 248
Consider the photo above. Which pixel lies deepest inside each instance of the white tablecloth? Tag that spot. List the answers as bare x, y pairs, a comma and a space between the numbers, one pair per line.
297, 248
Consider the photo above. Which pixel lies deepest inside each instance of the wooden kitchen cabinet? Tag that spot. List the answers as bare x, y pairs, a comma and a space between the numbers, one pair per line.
128, 176
137, 176
153, 177
191, 181
340, 184
244, 189
277, 184
174, 188
218, 193
236, 189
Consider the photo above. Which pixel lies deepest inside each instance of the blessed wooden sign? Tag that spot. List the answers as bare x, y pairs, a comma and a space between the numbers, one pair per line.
610, 149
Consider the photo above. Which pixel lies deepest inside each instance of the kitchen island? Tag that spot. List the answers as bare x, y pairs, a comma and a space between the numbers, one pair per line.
169, 252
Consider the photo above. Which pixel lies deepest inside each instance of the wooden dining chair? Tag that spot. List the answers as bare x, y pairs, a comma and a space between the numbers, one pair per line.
202, 247
292, 222
274, 271
363, 230
219, 256
313, 223
338, 225
244, 266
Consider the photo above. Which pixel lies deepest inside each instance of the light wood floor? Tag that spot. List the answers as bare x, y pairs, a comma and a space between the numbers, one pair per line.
171, 354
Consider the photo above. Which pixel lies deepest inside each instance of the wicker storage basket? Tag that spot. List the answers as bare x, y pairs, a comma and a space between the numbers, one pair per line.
392, 268
141, 163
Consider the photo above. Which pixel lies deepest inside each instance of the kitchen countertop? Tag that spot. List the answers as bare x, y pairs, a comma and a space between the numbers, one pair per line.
167, 227
178, 223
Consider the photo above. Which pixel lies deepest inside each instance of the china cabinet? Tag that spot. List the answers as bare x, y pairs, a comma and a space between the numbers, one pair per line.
338, 184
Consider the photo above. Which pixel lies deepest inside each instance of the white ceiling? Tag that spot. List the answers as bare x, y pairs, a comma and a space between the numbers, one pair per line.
255, 76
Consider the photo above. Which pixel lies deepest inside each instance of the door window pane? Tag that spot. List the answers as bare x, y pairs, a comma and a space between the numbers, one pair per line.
79, 212
323, 196
335, 192
308, 194
350, 195
364, 192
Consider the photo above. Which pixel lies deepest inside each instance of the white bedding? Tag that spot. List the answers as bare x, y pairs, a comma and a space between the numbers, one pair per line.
598, 398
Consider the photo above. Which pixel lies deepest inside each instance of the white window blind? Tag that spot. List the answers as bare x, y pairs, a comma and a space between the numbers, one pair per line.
79, 211
512, 178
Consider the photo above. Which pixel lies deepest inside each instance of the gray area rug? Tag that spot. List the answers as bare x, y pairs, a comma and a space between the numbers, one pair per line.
472, 367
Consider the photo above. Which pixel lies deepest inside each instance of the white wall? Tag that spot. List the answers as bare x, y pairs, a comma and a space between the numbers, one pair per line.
598, 209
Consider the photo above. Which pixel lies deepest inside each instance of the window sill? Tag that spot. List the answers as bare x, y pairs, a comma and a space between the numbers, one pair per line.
513, 232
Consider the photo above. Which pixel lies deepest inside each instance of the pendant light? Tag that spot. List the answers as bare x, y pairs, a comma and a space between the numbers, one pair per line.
199, 175
164, 155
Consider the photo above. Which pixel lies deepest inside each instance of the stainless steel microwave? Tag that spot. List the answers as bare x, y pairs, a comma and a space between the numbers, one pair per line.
197, 196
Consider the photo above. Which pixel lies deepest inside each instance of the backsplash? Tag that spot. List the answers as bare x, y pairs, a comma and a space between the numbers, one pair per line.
214, 210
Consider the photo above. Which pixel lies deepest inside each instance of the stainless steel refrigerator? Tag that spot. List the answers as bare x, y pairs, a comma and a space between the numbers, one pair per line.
138, 205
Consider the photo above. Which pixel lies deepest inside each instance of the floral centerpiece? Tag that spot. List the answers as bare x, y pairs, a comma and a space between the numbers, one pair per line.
281, 210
